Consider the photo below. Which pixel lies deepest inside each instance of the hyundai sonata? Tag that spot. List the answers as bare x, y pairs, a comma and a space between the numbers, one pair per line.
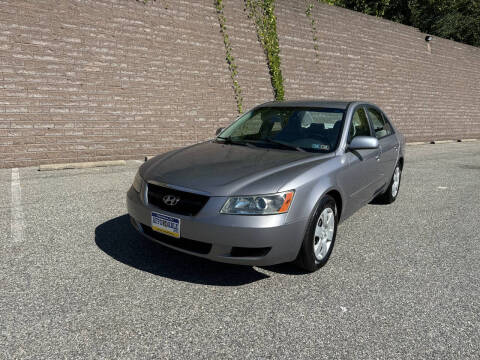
273, 186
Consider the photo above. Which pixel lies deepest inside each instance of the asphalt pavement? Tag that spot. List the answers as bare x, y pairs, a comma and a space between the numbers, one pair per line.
403, 282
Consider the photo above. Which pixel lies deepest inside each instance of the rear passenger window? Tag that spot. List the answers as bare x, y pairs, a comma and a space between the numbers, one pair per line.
359, 125
381, 127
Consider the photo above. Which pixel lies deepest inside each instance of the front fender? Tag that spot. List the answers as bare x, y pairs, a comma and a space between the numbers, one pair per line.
310, 188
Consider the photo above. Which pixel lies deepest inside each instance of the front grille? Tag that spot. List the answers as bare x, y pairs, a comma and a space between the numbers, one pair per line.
195, 246
189, 204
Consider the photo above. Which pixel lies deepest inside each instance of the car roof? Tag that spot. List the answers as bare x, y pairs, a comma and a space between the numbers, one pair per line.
333, 104
308, 103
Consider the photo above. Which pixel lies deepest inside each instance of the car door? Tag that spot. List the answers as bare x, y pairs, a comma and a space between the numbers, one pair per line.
387, 141
360, 176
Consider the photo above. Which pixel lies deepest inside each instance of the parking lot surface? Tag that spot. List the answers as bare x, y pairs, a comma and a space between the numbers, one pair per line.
76, 281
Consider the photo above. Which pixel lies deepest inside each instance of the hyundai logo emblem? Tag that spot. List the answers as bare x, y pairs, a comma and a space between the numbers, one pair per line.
170, 200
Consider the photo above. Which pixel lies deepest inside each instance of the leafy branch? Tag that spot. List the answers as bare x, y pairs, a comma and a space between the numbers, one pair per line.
313, 28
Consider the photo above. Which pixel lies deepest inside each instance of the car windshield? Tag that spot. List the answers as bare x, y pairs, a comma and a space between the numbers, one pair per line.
294, 128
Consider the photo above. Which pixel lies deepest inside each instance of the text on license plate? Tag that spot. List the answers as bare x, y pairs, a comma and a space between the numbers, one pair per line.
166, 224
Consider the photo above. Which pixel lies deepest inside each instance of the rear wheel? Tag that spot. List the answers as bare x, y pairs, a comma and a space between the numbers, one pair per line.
390, 195
320, 236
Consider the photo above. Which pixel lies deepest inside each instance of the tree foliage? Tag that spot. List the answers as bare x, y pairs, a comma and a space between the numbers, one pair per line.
457, 20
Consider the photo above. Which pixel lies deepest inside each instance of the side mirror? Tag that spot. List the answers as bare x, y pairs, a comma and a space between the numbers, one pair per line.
363, 142
219, 130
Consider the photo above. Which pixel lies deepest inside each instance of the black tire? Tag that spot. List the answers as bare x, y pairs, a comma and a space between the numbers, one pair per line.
388, 197
306, 258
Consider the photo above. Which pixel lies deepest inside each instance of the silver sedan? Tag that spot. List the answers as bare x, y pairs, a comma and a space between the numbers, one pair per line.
273, 186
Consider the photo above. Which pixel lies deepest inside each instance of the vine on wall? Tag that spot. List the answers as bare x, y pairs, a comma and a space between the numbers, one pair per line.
313, 28
228, 55
262, 13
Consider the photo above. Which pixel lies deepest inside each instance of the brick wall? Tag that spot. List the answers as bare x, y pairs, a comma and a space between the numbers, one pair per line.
428, 95
85, 80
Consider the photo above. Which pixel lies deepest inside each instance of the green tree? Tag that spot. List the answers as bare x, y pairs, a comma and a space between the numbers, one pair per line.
457, 20
399, 11
370, 7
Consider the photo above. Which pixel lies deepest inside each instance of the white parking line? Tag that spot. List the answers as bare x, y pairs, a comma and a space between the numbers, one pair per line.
17, 210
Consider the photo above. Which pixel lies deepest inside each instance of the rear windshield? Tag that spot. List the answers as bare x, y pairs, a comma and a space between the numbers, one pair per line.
309, 129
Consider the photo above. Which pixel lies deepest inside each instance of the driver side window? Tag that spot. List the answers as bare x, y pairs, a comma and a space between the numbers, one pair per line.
359, 125
379, 125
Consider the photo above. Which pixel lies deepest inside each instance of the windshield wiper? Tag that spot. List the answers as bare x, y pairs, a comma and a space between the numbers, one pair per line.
285, 144
228, 140
225, 139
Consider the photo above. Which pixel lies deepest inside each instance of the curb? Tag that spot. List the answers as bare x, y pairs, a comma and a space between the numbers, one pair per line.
81, 165
418, 143
440, 142
443, 141
86, 165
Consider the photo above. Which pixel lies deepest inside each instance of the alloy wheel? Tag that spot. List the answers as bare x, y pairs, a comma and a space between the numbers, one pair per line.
396, 181
322, 239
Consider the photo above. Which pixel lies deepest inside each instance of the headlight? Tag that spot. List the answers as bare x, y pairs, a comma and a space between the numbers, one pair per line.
259, 204
137, 182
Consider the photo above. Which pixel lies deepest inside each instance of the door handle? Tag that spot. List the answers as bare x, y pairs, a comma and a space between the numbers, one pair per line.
395, 147
377, 157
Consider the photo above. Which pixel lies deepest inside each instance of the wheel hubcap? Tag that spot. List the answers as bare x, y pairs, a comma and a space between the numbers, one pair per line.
322, 239
396, 181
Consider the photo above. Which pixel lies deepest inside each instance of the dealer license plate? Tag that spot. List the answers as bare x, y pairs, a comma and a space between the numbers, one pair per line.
165, 224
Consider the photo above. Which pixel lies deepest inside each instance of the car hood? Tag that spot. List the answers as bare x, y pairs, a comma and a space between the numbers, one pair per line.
224, 169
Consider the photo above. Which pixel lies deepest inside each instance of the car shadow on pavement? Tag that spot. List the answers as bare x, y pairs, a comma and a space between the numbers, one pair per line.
376, 201
117, 238
286, 269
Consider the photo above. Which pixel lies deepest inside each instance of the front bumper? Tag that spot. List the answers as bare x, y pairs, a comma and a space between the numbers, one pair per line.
235, 239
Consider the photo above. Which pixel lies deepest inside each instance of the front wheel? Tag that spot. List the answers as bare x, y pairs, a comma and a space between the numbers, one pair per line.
320, 236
